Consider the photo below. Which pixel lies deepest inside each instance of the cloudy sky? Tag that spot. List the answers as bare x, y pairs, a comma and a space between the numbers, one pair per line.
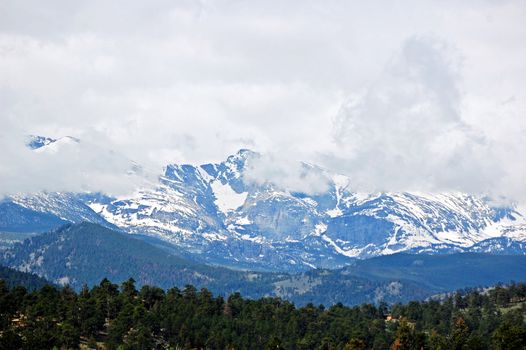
399, 95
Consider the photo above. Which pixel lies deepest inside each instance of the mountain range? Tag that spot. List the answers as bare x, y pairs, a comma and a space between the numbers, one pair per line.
212, 214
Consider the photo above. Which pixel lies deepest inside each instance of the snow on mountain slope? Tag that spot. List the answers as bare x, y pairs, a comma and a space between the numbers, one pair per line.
35, 142
43, 211
63, 205
54, 146
415, 220
206, 206
226, 198
212, 212
209, 211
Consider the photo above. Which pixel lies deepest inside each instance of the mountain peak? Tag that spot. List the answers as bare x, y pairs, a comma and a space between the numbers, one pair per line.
239, 160
244, 153
39, 143
36, 141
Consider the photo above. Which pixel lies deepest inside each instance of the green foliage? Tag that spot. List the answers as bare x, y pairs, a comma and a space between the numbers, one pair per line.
123, 317
510, 336
355, 344
407, 338
12, 278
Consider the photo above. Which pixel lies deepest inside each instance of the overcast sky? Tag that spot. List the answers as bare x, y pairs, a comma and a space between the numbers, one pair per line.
399, 95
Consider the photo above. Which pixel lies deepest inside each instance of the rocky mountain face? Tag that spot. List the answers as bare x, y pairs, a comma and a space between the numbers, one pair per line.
213, 212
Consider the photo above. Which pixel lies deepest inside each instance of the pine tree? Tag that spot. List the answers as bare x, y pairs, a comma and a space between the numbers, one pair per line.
355, 344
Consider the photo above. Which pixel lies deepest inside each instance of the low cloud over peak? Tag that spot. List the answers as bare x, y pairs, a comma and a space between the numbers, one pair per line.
422, 95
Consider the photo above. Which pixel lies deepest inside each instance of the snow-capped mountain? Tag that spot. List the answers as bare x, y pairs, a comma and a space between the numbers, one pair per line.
42, 144
213, 212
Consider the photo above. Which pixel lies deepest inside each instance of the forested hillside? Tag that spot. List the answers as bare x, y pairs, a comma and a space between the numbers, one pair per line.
13, 278
122, 317
85, 253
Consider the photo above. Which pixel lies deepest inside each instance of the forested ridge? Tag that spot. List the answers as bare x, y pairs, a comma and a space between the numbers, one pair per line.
14, 278
121, 317
93, 252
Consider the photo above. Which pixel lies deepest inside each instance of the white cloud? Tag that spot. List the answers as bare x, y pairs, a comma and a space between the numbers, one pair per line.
286, 174
406, 131
65, 165
193, 81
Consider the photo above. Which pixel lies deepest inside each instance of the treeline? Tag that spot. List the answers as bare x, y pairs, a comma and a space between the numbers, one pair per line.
122, 317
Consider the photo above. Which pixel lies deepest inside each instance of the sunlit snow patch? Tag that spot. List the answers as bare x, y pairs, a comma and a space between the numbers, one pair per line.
226, 198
